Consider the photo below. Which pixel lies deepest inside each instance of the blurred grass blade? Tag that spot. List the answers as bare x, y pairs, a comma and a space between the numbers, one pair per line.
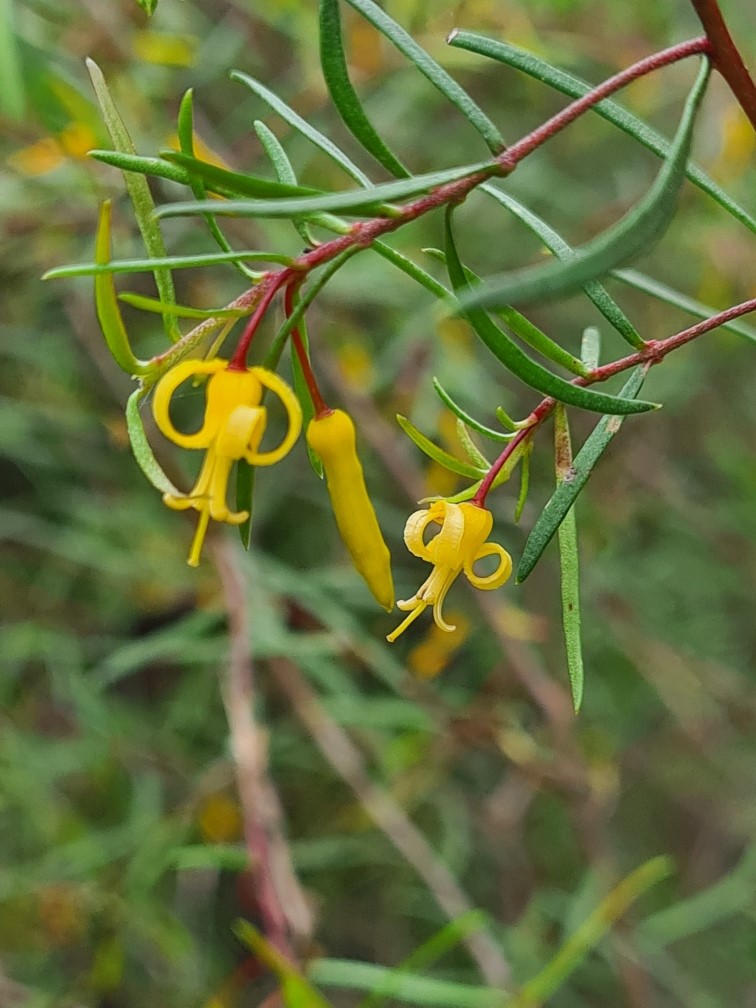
608, 109
236, 183
296, 990
173, 262
12, 89
567, 492
465, 417
569, 562
432, 70
556, 244
139, 193
636, 232
141, 447
345, 98
106, 304
509, 354
368, 202
590, 347
540, 989
180, 311
185, 133
670, 296
438, 454
302, 126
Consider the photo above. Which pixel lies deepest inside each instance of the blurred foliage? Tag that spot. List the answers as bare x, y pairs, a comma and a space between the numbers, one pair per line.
123, 869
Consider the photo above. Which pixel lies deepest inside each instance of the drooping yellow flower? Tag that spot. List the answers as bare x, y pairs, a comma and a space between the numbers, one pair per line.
332, 437
232, 429
460, 543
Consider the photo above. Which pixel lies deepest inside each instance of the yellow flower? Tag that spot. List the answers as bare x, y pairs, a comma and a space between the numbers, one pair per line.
332, 436
232, 429
459, 544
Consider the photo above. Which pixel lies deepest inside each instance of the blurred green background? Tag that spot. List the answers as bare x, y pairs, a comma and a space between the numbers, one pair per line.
122, 863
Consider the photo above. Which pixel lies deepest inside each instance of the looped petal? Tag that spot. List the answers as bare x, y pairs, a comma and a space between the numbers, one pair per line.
499, 576
162, 398
293, 413
413, 533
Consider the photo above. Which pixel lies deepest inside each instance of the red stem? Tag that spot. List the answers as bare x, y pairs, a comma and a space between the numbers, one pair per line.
725, 56
268, 288
320, 406
653, 352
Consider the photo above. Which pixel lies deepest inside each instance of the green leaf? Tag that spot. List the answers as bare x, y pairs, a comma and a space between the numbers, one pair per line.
636, 232
149, 6
235, 183
567, 492
608, 109
296, 990
345, 98
590, 347
138, 164
475, 455
245, 493
461, 414
438, 454
540, 989
141, 447
368, 202
285, 173
524, 481
302, 126
670, 296
432, 71
556, 244
185, 132
12, 89
106, 304
180, 311
509, 354
411, 268
139, 193
569, 562
173, 262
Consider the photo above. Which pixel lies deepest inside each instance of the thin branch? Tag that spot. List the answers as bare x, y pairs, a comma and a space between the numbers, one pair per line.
282, 905
347, 761
726, 57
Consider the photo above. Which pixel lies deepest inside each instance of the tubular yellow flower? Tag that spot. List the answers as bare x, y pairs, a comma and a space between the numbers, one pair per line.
459, 544
232, 429
332, 436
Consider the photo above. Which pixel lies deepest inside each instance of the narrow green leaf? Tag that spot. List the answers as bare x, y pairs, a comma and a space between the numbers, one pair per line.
540, 989
569, 562
556, 244
284, 172
522, 449
538, 340
524, 481
142, 165
345, 98
509, 354
185, 132
139, 194
302, 126
296, 990
506, 420
636, 232
148, 6
180, 311
368, 202
106, 304
411, 268
670, 296
608, 109
475, 455
236, 183
590, 347
245, 495
432, 71
12, 89
173, 262
567, 492
438, 454
465, 416
141, 447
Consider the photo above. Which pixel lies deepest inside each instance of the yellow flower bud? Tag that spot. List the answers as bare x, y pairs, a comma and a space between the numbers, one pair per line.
232, 429
459, 544
332, 437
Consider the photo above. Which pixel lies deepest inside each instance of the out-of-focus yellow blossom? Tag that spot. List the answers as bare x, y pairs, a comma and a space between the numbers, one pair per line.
454, 549
233, 427
332, 436
44, 156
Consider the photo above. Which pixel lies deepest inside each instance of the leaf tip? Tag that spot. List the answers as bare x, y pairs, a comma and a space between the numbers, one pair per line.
452, 35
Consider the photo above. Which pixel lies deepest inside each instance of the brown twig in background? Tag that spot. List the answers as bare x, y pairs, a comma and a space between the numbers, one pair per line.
726, 57
282, 904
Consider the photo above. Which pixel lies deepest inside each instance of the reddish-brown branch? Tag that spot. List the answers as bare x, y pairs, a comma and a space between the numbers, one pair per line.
726, 57
653, 352
319, 404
